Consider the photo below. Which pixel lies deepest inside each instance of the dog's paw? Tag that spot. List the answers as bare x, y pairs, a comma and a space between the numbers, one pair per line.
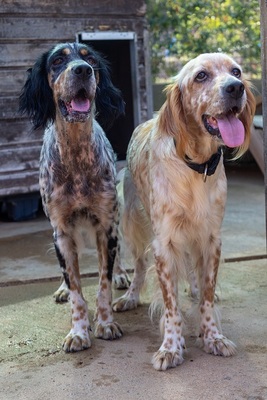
76, 341
121, 280
163, 359
108, 331
124, 303
219, 346
62, 294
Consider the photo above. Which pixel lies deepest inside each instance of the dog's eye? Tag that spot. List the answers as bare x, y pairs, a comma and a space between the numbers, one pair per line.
201, 76
92, 61
236, 72
57, 61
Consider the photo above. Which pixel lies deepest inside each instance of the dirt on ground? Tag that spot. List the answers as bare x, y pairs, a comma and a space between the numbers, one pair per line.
33, 365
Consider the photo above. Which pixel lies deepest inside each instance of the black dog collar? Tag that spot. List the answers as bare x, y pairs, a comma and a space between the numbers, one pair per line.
207, 168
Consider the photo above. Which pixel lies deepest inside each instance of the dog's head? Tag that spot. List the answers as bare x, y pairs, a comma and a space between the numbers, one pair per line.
70, 80
210, 98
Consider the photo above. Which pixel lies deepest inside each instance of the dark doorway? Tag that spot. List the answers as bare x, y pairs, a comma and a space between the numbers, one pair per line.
121, 55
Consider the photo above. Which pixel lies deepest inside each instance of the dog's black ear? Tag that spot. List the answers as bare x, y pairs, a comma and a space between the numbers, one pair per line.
36, 98
109, 101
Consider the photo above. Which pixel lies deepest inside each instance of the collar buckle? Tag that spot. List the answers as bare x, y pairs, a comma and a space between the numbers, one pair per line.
205, 172
207, 168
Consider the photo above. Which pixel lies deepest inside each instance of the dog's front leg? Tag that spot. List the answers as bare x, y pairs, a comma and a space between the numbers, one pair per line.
105, 327
170, 353
78, 337
210, 337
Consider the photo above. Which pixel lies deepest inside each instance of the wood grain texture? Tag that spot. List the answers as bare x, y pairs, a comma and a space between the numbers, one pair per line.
30, 28
77, 7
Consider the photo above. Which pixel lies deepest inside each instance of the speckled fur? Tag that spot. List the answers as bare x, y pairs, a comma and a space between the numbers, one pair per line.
77, 175
169, 206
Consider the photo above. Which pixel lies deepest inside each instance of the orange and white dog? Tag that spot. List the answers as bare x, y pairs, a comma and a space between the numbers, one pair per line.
175, 192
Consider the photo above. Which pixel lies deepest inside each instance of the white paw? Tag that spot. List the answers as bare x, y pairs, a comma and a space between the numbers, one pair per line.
108, 331
76, 341
124, 303
121, 281
62, 294
163, 360
219, 346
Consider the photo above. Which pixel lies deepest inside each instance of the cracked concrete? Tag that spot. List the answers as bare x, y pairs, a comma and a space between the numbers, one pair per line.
33, 366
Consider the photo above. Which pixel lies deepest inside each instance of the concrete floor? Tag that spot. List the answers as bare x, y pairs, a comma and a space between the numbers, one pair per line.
33, 366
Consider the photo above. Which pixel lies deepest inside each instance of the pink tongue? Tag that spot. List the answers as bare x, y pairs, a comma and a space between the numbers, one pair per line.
232, 130
81, 105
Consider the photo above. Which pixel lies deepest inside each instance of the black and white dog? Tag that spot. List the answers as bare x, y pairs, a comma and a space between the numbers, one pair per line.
64, 90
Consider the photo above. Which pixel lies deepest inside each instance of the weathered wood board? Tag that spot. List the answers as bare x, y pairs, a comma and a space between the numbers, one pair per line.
28, 28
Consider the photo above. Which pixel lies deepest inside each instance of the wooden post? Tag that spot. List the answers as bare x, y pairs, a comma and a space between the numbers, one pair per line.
264, 92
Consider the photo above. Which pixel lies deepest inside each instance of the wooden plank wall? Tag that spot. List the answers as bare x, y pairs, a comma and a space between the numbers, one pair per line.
29, 28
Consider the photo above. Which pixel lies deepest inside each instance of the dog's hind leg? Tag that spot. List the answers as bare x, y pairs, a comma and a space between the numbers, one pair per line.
192, 279
78, 337
62, 294
136, 231
130, 299
121, 279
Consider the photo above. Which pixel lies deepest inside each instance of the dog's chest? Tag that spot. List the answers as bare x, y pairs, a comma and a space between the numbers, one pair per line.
81, 183
173, 194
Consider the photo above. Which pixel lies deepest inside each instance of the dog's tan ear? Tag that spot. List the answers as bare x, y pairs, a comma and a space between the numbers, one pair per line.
172, 119
246, 117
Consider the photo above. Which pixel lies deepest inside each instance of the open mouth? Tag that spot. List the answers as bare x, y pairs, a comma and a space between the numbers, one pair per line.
76, 109
226, 127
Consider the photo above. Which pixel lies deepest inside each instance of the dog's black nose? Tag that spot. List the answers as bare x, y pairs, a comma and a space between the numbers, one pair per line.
82, 70
234, 89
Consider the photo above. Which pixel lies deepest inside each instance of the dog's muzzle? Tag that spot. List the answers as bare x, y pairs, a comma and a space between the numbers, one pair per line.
77, 106
226, 126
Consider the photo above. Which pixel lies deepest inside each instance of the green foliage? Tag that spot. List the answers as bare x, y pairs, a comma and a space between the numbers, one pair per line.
183, 29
